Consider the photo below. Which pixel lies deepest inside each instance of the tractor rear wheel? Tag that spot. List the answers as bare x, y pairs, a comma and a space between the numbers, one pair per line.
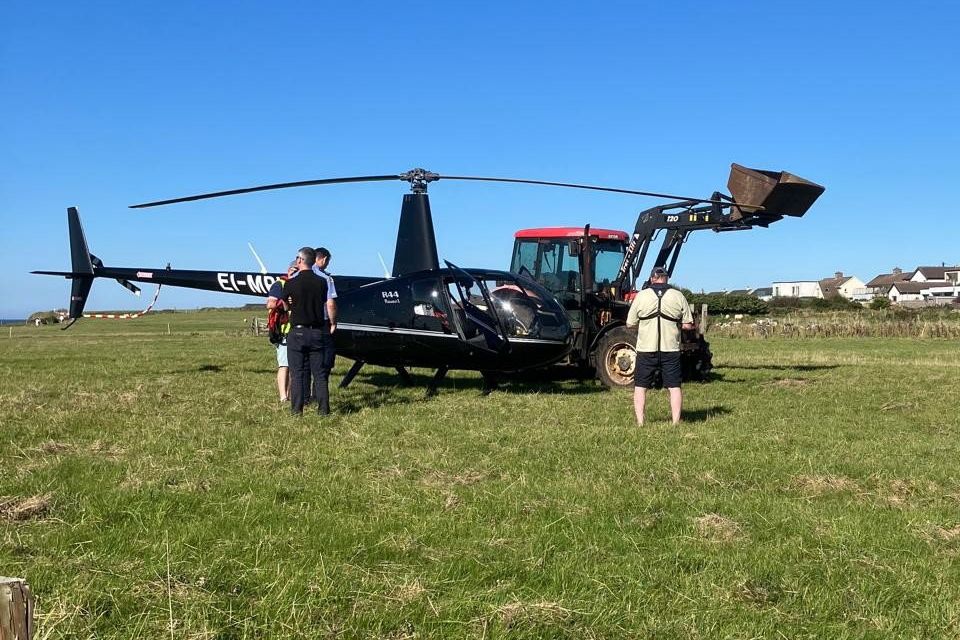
616, 358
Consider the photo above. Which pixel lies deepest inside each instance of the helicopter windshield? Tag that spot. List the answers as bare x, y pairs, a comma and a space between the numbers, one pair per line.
525, 308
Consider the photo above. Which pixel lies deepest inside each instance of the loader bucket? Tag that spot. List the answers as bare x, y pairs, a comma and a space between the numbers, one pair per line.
778, 192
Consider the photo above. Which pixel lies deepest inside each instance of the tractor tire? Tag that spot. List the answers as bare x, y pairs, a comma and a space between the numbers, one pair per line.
616, 358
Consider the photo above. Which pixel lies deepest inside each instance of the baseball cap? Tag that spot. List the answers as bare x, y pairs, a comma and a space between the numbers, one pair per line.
658, 272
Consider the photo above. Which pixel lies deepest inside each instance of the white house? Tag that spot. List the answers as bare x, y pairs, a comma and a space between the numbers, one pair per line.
927, 274
907, 291
797, 289
849, 287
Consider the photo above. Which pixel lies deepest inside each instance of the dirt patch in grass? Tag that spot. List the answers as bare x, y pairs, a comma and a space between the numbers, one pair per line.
451, 501
522, 613
717, 528
52, 447
759, 591
901, 493
96, 448
409, 591
17, 509
789, 383
947, 534
822, 484
464, 478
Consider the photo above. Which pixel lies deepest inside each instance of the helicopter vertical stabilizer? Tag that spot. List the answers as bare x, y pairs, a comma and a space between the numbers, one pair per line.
416, 242
81, 264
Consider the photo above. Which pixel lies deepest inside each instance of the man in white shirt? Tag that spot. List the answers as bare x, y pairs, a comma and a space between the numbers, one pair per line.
659, 312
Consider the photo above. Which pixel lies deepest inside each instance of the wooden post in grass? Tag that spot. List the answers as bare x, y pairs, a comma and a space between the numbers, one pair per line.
16, 610
703, 318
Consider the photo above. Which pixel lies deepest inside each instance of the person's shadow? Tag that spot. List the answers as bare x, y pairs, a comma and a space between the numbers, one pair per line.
702, 415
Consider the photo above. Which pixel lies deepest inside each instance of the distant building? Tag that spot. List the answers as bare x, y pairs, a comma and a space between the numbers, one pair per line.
797, 289
880, 285
764, 293
928, 274
849, 287
924, 286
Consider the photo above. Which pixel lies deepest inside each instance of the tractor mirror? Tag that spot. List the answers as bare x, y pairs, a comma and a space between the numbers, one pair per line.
779, 193
573, 248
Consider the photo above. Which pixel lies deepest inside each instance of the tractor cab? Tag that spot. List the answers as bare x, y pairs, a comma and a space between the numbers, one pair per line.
569, 261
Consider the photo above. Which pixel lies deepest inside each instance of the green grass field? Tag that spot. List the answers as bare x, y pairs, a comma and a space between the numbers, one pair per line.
153, 487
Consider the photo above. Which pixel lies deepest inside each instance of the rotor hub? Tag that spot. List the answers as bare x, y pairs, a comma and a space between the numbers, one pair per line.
419, 179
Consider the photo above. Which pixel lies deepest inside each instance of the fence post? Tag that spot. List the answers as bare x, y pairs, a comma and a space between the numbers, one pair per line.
16, 610
703, 318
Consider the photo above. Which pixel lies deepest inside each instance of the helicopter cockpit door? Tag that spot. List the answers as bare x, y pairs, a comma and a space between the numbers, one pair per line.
475, 316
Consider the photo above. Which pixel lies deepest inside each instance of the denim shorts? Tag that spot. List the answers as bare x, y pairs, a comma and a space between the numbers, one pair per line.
282, 354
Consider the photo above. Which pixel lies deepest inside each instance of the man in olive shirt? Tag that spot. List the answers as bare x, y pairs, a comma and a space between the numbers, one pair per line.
658, 312
309, 340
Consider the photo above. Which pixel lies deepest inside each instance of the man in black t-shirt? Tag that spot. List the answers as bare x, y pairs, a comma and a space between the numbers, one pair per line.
309, 340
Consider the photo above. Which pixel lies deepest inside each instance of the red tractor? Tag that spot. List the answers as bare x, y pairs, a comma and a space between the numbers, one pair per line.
593, 272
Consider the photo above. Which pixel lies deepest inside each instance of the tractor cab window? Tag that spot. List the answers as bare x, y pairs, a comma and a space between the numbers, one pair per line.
525, 256
607, 258
549, 262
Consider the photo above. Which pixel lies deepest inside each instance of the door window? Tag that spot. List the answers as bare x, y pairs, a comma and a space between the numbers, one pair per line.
431, 309
474, 312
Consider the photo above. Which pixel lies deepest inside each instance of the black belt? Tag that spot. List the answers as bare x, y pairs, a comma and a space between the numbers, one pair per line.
310, 326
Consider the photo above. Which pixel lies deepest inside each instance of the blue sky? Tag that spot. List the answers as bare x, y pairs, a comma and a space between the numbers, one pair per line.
107, 104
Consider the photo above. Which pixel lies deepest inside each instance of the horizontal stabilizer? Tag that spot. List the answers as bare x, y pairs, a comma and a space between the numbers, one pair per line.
65, 274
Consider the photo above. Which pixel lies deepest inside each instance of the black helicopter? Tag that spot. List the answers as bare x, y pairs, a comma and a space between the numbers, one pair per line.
421, 316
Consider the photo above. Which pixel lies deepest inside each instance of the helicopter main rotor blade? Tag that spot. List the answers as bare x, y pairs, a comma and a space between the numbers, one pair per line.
594, 188
266, 187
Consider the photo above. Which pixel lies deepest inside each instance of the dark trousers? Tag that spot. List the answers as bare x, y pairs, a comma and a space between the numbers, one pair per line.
309, 355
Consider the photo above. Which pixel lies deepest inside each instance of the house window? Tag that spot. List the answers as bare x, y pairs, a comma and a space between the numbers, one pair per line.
795, 291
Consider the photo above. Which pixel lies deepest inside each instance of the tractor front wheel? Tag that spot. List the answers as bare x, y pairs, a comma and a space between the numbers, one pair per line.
616, 358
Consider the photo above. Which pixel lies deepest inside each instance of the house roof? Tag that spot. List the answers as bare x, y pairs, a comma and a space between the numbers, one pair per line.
934, 273
763, 291
738, 292
830, 286
919, 287
886, 279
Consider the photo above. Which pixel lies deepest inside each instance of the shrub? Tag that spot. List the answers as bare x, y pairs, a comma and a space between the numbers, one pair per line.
723, 304
880, 303
833, 303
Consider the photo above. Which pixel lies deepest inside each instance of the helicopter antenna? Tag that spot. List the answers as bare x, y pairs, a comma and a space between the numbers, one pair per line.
386, 272
263, 267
